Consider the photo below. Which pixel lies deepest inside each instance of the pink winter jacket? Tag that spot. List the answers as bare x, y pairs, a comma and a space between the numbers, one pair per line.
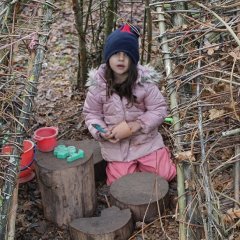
150, 110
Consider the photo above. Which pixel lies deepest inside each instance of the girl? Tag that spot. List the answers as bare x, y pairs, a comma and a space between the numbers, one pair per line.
124, 93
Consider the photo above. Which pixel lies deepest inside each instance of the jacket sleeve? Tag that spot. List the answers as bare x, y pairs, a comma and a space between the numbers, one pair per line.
93, 112
156, 109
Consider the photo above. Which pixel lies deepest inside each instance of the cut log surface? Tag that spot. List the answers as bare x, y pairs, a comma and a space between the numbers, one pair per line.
67, 189
94, 145
138, 190
113, 224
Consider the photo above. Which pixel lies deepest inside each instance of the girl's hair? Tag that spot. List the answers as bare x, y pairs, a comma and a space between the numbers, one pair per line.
124, 89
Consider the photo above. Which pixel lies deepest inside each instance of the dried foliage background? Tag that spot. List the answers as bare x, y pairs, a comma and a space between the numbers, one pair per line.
203, 47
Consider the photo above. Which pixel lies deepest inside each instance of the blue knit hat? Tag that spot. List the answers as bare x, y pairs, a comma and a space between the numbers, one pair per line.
124, 39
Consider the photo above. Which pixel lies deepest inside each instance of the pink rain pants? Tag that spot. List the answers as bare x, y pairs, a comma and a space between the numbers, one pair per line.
158, 162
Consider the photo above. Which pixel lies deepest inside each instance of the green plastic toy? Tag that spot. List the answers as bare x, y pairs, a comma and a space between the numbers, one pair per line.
62, 154
59, 149
75, 156
71, 149
69, 153
168, 120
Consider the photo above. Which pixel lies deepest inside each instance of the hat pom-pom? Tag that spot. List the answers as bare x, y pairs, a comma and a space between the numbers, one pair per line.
130, 29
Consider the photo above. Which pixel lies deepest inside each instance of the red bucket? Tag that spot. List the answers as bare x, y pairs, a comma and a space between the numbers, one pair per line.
27, 158
46, 138
26, 161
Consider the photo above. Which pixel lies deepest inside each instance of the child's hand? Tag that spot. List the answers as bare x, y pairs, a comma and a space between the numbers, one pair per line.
135, 126
103, 135
121, 131
108, 136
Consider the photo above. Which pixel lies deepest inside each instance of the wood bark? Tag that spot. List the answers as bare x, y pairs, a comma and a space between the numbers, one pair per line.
113, 224
82, 55
109, 24
149, 31
141, 192
67, 189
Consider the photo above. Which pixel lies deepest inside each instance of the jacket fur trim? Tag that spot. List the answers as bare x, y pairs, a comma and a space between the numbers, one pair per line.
146, 74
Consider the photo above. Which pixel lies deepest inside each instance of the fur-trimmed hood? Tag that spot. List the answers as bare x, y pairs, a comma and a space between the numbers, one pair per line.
146, 74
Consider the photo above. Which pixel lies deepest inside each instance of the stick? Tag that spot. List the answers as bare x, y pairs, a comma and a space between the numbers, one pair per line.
13, 213
221, 20
176, 126
236, 176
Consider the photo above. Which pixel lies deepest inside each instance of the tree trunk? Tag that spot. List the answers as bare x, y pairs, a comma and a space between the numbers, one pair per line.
109, 24
82, 55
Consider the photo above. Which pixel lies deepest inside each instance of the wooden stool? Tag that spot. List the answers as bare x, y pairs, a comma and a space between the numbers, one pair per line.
111, 225
138, 190
99, 163
67, 189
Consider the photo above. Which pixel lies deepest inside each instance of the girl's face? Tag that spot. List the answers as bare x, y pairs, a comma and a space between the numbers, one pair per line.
119, 63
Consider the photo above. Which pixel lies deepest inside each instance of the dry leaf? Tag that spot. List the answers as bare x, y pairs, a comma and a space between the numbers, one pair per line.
210, 90
210, 48
210, 51
185, 156
236, 53
180, 70
215, 113
231, 215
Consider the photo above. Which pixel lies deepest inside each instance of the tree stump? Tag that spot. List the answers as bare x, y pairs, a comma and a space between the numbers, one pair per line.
138, 190
99, 163
67, 189
113, 224
91, 144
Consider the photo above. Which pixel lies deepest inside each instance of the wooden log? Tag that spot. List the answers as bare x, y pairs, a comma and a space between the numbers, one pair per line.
113, 224
138, 190
67, 189
90, 144
99, 163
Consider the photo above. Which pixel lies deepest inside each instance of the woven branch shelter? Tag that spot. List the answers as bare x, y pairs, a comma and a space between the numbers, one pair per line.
198, 46
24, 32
201, 52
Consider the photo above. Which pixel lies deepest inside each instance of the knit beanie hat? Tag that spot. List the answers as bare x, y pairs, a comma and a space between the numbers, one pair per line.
124, 39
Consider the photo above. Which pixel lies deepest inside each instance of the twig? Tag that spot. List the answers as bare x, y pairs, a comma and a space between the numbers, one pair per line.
148, 225
175, 115
13, 214
106, 198
221, 20
231, 132
237, 177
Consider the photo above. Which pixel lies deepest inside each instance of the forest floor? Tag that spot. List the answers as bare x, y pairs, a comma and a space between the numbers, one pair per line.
57, 104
